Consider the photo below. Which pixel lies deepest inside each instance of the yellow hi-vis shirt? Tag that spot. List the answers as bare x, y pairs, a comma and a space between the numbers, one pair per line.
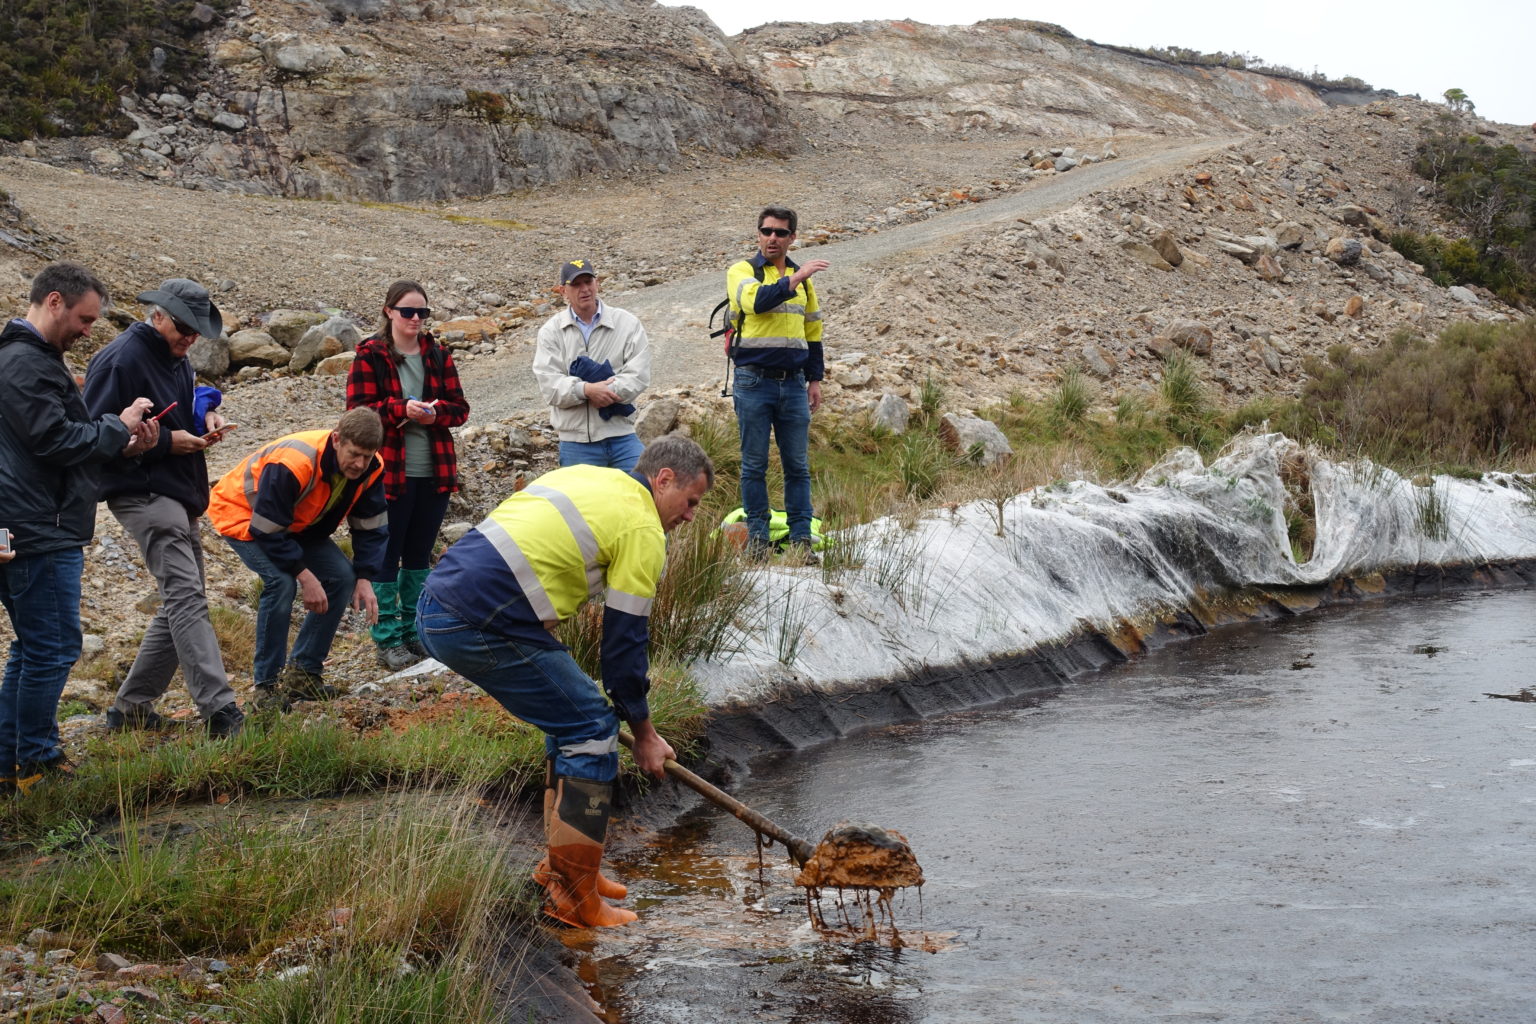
571, 535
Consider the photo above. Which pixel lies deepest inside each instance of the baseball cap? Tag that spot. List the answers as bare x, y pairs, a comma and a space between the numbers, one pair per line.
574, 269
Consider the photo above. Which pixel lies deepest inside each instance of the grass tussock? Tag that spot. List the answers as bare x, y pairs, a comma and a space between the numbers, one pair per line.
399, 908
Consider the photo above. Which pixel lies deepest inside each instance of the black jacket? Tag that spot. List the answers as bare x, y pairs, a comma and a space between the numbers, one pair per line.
51, 450
138, 363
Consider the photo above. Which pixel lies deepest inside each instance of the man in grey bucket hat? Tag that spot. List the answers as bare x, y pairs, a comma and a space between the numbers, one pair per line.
158, 496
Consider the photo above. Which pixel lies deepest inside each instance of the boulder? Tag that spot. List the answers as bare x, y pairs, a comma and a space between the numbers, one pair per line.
335, 365
1144, 253
1235, 249
229, 122
1064, 163
1098, 361
454, 532
106, 157
1343, 251
1465, 295
256, 348
1190, 335
312, 349
1268, 268
973, 437
1289, 235
1353, 215
852, 376
306, 58
287, 326
891, 413
1355, 307
337, 334
657, 417
209, 357
1167, 248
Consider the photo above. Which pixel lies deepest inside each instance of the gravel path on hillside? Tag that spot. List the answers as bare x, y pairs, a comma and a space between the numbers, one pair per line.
675, 313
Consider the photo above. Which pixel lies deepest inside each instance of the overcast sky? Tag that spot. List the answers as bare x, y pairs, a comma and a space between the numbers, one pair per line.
1484, 47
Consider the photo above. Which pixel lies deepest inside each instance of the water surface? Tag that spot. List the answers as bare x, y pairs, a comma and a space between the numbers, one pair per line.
1322, 819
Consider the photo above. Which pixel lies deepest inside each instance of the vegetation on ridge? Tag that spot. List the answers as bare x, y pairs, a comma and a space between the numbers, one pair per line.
68, 60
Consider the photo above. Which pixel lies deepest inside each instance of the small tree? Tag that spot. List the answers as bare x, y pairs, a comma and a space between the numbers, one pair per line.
1457, 100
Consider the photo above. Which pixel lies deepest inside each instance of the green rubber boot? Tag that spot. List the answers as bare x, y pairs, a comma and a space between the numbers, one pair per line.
386, 632
411, 582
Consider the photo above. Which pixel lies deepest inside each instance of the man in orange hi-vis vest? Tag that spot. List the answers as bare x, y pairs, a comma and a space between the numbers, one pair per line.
277, 510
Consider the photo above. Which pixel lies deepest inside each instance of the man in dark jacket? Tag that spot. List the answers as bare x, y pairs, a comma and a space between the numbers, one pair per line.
51, 451
158, 497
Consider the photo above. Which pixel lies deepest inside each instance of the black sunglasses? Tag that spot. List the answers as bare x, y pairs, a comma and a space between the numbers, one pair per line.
182, 329
775, 232
413, 312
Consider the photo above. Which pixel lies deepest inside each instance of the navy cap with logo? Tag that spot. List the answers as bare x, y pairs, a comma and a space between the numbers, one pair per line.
574, 269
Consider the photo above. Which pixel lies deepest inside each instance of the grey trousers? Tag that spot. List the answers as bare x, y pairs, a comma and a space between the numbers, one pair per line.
181, 632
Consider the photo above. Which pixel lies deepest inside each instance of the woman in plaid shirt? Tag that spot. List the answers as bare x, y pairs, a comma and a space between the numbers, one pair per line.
410, 381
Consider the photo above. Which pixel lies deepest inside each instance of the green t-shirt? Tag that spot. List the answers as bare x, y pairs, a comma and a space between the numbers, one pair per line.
418, 447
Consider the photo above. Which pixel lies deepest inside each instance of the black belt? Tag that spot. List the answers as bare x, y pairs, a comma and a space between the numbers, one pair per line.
767, 373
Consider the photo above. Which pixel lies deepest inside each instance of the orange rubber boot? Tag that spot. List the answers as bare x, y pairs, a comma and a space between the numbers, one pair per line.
607, 888
578, 827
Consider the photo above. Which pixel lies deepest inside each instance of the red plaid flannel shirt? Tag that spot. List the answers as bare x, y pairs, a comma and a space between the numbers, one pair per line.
373, 382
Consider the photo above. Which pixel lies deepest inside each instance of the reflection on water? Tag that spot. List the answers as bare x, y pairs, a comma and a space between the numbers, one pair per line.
1300, 821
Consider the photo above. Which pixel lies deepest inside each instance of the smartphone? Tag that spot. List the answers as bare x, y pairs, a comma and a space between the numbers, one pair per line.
5, 539
218, 435
156, 417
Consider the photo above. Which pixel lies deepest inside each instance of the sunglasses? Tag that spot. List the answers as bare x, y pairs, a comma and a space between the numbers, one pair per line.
182, 329
775, 232
413, 312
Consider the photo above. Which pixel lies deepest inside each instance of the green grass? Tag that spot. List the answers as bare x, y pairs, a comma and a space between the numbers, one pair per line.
391, 903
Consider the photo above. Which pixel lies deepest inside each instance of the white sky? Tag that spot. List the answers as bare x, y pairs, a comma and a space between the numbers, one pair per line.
1484, 47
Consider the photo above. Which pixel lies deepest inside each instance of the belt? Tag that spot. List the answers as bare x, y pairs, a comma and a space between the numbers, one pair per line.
769, 373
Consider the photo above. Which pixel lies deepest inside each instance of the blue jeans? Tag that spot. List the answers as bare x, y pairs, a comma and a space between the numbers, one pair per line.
542, 686
620, 452
763, 404
42, 595
275, 611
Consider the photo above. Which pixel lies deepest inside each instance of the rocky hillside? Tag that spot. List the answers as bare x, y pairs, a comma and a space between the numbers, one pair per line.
400, 101
1016, 76
389, 100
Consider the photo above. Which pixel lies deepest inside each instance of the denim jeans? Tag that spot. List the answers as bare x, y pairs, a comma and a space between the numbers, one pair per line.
542, 686
42, 595
275, 611
620, 452
763, 404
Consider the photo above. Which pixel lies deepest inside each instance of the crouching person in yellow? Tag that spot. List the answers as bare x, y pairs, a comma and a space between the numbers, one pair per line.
491, 602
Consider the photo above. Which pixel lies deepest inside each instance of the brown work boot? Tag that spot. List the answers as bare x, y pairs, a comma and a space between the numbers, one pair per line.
578, 827
607, 888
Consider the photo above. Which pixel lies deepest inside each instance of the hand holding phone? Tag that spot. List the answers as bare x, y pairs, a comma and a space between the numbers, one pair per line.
6, 554
156, 417
215, 436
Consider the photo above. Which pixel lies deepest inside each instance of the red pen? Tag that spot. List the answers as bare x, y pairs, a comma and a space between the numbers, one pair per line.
156, 417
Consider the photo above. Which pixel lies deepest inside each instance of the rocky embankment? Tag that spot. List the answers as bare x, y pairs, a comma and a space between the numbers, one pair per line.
396, 101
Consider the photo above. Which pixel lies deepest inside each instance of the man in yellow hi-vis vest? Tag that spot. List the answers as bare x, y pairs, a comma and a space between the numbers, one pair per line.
777, 383
488, 610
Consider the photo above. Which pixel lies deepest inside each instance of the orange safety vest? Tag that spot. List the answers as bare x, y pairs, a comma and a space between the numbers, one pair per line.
233, 497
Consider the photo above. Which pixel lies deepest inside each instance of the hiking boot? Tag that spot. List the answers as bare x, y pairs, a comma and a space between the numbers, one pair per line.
395, 658
417, 651
267, 697
225, 722
139, 717
799, 552
36, 774
756, 552
302, 684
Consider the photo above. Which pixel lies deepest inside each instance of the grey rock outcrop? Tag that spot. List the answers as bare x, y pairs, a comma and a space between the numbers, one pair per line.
1009, 75
973, 437
891, 412
287, 327
656, 418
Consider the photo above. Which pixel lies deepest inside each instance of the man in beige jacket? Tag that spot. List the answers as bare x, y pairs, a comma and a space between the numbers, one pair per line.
591, 361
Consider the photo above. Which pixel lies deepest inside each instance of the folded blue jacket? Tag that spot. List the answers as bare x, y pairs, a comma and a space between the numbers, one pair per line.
593, 372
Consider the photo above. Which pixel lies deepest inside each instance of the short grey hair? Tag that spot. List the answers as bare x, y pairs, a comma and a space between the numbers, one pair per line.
681, 455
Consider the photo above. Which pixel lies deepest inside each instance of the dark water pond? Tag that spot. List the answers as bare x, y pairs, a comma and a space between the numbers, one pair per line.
1321, 820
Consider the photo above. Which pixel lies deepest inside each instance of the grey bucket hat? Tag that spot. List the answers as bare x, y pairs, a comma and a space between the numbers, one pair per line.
189, 303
